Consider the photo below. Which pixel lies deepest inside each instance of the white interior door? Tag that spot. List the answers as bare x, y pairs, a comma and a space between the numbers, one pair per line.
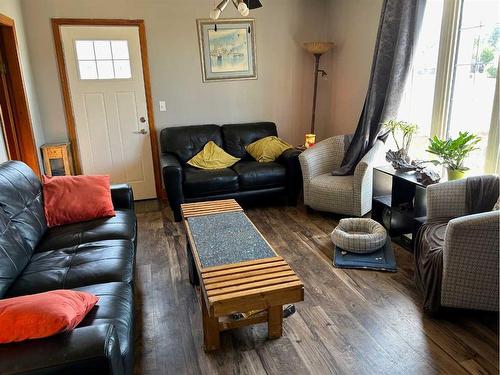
104, 69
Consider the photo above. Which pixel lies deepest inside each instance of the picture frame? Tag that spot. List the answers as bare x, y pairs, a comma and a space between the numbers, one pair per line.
227, 49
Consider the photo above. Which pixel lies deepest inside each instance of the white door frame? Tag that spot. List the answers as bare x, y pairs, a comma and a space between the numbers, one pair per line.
68, 106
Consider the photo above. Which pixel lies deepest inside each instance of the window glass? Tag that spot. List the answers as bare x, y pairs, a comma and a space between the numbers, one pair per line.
102, 49
88, 69
103, 59
122, 68
475, 71
105, 69
417, 101
84, 50
120, 49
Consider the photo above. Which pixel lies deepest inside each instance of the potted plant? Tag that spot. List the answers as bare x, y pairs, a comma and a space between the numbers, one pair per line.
402, 132
453, 152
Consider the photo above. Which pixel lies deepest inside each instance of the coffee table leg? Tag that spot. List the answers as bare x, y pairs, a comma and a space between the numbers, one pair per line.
275, 322
193, 275
211, 337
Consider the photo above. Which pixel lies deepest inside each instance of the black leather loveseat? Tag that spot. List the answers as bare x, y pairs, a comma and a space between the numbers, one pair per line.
247, 180
95, 256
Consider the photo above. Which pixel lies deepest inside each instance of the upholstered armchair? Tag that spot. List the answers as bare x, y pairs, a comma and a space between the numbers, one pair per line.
456, 252
347, 195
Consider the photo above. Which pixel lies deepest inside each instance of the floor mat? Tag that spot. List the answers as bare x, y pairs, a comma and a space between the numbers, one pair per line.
380, 260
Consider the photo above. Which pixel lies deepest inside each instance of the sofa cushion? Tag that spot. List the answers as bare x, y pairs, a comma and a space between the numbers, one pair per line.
21, 200
121, 226
238, 136
253, 175
267, 149
73, 199
76, 266
212, 157
115, 306
204, 182
186, 141
14, 253
42, 315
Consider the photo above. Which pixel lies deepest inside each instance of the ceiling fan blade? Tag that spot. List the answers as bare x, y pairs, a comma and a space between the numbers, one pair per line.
253, 4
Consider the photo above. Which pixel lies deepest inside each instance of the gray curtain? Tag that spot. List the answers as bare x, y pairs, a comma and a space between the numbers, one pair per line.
398, 29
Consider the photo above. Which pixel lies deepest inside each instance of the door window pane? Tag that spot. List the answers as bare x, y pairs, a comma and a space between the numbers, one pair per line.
122, 69
87, 69
105, 69
475, 70
103, 59
120, 49
84, 50
102, 49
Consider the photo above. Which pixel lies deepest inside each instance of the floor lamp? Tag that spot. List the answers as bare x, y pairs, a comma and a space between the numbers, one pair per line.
317, 49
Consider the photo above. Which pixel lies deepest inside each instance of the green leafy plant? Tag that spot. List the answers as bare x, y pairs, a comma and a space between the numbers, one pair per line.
453, 152
487, 55
492, 71
402, 130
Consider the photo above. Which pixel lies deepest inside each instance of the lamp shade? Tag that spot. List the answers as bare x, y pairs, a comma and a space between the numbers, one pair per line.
318, 48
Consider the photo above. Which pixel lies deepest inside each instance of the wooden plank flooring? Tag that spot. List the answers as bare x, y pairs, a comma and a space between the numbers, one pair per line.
351, 321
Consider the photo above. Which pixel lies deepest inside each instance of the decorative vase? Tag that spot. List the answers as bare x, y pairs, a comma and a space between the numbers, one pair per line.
455, 174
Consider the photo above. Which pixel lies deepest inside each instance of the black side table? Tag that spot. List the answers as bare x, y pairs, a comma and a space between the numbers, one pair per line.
399, 203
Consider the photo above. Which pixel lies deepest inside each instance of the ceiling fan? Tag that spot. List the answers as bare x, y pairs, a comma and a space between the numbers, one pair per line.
243, 7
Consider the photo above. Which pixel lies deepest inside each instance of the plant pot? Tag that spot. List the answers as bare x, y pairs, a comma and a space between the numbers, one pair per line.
455, 174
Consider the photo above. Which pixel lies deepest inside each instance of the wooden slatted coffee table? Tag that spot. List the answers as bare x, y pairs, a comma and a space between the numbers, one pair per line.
237, 270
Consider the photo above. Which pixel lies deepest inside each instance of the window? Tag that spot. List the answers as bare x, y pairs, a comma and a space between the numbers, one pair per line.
474, 73
451, 84
417, 102
103, 59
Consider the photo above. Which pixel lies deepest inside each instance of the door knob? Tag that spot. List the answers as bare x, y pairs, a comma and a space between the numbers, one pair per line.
142, 120
142, 131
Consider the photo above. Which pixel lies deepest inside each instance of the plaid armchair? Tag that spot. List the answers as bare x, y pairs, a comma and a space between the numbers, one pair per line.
470, 250
348, 195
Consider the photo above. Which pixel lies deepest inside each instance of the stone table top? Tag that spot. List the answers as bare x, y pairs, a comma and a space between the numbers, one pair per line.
227, 238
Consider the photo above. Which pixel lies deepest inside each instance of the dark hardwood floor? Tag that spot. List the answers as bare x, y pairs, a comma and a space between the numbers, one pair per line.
351, 322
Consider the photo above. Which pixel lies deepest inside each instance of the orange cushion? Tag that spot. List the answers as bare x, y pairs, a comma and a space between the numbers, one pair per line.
71, 199
44, 314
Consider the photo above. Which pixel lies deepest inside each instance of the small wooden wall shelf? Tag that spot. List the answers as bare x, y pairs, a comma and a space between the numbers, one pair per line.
57, 159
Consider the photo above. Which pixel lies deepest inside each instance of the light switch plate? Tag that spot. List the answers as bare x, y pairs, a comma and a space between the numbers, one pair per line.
163, 106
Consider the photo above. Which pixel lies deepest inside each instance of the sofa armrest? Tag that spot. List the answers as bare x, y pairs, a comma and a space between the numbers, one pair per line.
470, 262
446, 199
363, 178
122, 196
92, 349
290, 160
173, 180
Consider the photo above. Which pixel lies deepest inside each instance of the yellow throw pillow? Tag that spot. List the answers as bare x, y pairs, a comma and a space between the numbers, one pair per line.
212, 157
267, 149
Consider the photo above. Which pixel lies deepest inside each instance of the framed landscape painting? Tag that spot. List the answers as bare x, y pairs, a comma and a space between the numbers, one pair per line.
227, 49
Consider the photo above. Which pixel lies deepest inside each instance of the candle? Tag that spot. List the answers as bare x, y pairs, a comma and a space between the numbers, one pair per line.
310, 140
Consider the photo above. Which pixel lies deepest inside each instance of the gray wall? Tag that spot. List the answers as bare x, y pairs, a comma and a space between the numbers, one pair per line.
352, 25
12, 9
282, 92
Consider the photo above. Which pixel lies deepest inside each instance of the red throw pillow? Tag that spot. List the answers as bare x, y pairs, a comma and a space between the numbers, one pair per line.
44, 314
71, 199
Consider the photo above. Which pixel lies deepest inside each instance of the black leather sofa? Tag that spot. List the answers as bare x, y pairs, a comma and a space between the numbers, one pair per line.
246, 181
95, 256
